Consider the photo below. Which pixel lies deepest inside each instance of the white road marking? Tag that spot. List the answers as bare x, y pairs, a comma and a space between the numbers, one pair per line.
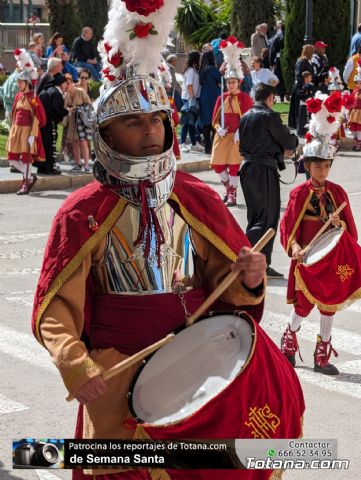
46, 475
23, 346
19, 271
26, 300
9, 406
341, 339
17, 237
26, 253
347, 383
282, 292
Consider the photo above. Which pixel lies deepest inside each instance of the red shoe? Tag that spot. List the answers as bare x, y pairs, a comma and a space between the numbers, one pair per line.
24, 188
321, 357
289, 346
232, 197
31, 182
225, 196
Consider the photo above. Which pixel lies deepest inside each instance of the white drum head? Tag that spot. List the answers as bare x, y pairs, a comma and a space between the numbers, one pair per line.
323, 246
200, 362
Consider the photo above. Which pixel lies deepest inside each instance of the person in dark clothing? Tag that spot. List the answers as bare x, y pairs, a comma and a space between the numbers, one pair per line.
319, 62
277, 46
54, 67
264, 141
210, 79
306, 91
53, 102
303, 64
84, 53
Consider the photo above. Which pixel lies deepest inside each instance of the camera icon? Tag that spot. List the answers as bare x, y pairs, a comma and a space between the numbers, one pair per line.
39, 454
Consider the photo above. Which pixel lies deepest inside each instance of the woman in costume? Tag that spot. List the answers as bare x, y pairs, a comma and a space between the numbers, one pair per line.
229, 108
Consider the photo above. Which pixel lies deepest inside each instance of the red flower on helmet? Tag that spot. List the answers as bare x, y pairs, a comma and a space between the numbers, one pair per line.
232, 40
334, 102
347, 100
308, 137
223, 44
313, 105
116, 59
332, 69
240, 44
107, 47
108, 75
331, 119
17, 52
142, 30
27, 64
143, 7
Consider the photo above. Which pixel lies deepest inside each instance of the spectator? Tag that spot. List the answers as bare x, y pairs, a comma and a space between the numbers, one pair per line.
83, 83
276, 48
175, 89
38, 38
209, 78
7, 92
350, 70
261, 75
55, 66
356, 41
304, 92
85, 55
33, 19
68, 67
246, 84
264, 140
24, 144
303, 64
53, 101
33, 51
190, 110
78, 131
56, 46
319, 62
265, 58
218, 55
258, 40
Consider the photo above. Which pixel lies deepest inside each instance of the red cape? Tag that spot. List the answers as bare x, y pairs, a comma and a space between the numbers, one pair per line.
71, 238
297, 204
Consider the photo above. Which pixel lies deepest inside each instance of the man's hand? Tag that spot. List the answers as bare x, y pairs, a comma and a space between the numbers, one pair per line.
288, 153
222, 131
252, 267
336, 221
91, 391
296, 249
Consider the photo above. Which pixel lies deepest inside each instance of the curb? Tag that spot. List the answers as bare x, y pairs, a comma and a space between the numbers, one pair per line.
77, 180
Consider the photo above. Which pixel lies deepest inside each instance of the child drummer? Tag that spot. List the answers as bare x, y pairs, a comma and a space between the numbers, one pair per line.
310, 205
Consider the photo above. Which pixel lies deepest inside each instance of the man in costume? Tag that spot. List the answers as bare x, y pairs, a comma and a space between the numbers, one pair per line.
228, 110
350, 71
24, 144
118, 245
264, 140
310, 205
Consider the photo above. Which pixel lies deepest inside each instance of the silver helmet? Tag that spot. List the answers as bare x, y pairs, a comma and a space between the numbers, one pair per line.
137, 95
320, 147
23, 75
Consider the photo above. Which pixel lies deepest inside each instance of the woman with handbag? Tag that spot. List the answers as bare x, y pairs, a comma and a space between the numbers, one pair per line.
190, 110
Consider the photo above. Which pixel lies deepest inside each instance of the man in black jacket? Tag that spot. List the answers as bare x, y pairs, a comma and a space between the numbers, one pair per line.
53, 100
84, 53
264, 141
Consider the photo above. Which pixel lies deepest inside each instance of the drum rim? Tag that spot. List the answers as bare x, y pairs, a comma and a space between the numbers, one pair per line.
237, 313
341, 229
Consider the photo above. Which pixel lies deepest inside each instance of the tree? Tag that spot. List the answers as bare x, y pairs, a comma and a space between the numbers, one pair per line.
246, 14
95, 15
331, 23
64, 18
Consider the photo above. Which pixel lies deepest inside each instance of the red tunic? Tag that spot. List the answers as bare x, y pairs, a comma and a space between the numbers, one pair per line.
297, 225
355, 111
234, 107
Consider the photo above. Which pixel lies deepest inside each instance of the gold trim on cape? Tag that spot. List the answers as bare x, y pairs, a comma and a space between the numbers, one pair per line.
72, 266
298, 221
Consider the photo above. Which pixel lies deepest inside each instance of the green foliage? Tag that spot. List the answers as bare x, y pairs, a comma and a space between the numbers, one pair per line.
219, 22
4, 127
64, 18
246, 14
93, 14
295, 31
94, 88
325, 27
191, 16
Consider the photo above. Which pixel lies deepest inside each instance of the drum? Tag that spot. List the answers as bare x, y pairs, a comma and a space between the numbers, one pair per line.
222, 377
181, 377
323, 246
330, 274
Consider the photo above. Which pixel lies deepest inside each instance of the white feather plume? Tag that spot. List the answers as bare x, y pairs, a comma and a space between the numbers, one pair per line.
164, 75
320, 124
231, 53
144, 53
25, 62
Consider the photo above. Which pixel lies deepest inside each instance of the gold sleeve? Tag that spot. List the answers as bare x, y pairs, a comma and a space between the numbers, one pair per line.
212, 267
62, 324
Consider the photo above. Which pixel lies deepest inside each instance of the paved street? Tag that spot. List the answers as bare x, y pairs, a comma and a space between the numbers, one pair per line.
32, 398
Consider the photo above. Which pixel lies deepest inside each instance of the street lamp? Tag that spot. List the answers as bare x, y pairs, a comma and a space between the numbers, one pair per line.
309, 22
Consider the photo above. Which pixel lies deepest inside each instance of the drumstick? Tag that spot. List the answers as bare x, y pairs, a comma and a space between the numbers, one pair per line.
130, 361
228, 280
322, 229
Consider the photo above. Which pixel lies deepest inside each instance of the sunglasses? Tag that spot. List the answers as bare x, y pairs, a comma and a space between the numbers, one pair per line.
84, 78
